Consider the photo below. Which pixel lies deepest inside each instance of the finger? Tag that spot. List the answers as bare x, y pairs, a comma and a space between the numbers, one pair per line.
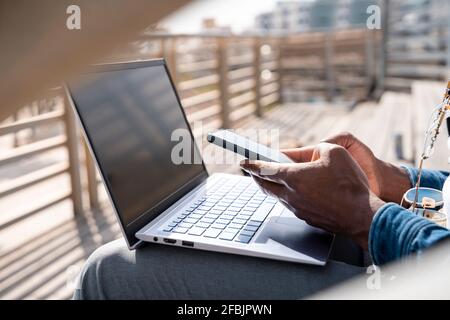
271, 171
323, 149
345, 140
303, 154
272, 189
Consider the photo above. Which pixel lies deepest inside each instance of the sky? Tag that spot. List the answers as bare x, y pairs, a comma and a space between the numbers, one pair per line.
239, 14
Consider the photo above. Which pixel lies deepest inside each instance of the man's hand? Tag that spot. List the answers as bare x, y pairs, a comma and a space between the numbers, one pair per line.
331, 192
387, 181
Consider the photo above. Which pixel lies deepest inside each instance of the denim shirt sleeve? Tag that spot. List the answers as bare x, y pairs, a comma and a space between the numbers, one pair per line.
430, 178
396, 232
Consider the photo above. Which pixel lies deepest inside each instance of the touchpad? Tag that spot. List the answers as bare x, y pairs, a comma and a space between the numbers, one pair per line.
286, 214
295, 234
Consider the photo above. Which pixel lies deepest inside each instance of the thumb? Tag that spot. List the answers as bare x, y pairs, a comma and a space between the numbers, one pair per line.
260, 168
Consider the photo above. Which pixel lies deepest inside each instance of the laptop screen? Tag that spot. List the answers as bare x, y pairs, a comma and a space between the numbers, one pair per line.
133, 120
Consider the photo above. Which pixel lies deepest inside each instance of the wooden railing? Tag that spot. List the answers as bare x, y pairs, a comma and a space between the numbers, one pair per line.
221, 80
55, 115
330, 65
216, 76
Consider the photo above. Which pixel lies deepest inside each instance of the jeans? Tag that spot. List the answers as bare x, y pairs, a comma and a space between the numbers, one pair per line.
165, 272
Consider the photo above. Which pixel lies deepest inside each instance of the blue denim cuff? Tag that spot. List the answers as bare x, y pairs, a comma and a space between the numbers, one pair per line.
430, 178
396, 232
388, 233
412, 174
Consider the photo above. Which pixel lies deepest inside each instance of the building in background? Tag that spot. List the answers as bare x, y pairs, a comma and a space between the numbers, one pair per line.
417, 42
310, 15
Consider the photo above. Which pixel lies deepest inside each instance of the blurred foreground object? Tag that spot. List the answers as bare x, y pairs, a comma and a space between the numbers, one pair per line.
427, 278
38, 49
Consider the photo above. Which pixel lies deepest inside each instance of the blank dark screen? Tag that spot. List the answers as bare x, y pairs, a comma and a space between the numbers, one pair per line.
129, 116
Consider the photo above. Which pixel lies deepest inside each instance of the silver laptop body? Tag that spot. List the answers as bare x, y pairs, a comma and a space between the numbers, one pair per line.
128, 112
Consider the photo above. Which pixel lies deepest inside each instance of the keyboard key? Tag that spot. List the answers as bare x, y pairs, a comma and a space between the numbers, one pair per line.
240, 220
237, 223
222, 221
172, 225
180, 230
202, 225
195, 215
220, 207
262, 212
231, 230
226, 217
212, 233
254, 223
250, 228
243, 238
196, 231
218, 226
185, 225
207, 220
176, 220
190, 220
227, 235
247, 233
211, 215
168, 229
230, 213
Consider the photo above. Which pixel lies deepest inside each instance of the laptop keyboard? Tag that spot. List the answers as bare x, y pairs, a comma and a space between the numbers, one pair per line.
230, 211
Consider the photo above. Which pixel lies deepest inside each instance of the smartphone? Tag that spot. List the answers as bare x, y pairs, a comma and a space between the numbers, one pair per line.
246, 147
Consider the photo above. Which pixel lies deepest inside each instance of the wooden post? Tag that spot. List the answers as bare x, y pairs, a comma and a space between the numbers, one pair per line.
257, 68
280, 69
223, 82
370, 59
91, 174
329, 69
383, 48
74, 158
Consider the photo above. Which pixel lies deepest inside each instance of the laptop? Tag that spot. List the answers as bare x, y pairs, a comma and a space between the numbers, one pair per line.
129, 112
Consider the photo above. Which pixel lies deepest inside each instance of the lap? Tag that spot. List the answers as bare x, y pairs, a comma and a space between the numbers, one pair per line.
165, 272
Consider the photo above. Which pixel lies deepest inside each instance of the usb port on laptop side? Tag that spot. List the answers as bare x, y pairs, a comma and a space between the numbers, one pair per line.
187, 243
